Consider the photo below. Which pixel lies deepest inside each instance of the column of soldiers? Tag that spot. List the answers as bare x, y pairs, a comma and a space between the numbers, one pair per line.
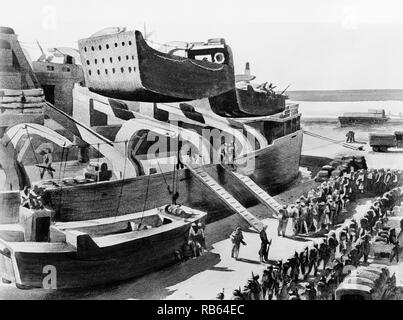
343, 249
321, 209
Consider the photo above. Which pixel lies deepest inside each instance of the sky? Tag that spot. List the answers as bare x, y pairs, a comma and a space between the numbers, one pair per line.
309, 44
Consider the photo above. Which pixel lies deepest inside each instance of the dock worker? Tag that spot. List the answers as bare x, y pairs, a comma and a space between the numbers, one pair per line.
348, 137
25, 197
47, 163
237, 240
201, 238
35, 198
193, 240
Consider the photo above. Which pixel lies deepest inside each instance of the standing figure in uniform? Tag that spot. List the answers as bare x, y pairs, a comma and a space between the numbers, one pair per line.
282, 221
237, 240
264, 250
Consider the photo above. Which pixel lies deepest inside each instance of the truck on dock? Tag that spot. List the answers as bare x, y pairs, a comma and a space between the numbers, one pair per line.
380, 142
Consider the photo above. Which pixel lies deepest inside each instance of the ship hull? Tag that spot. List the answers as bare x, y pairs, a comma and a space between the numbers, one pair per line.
275, 167
136, 72
27, 265
247, 103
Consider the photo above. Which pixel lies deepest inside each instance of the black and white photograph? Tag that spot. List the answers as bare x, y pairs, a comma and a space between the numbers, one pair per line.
201, 151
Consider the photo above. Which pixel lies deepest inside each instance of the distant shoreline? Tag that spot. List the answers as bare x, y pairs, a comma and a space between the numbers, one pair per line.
346, 95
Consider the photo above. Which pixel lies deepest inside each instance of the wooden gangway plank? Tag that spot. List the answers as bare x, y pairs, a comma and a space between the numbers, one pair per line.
226, 197
262, 195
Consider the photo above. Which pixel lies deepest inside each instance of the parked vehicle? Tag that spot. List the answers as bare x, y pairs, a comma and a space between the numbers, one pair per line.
380, 142
372, 282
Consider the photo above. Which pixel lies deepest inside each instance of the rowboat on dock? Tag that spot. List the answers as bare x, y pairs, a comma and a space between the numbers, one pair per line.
93, 252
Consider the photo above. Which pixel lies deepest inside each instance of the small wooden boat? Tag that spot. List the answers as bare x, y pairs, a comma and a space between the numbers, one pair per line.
122, 65
92, 252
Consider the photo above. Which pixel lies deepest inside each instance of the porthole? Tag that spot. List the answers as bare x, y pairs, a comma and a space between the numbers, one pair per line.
123, 44
85, 49
122, 69
119, 58
113, 70
92, 48
127, 57
103, 60
130, 43
132, 57
106, 71
99, 72
100, 47
89, 72
116, 45
107, 46
96, 61
110, 59
130, 69
88, 62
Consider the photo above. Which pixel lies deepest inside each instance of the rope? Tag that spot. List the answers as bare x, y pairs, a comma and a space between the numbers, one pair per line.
62, 176
332, 140
32, 147
12, 137
61, 163
145, 201
163, 176
123, 182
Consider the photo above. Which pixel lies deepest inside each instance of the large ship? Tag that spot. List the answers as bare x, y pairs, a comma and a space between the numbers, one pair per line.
255, 112
129, 151
265, 148
120, 64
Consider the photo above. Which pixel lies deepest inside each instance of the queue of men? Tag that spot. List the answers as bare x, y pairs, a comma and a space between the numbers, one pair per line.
342, 250
321, 208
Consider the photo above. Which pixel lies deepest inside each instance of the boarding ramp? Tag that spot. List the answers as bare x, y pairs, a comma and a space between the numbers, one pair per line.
273, 206
224, 195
